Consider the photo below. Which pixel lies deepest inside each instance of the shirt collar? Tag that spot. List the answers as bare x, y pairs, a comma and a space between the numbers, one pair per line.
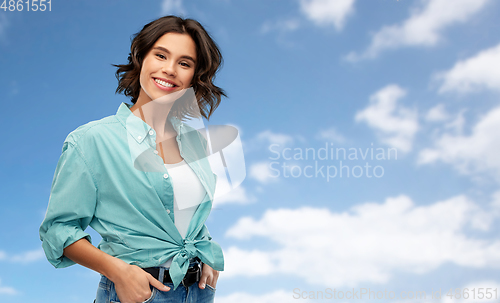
136, 126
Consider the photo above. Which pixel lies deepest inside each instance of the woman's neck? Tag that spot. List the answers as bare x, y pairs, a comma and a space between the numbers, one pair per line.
155, 115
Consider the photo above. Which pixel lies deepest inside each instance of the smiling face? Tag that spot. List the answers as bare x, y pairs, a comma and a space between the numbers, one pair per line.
168, 67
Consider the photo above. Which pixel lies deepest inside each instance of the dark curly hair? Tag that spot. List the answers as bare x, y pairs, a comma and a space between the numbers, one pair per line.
208, 55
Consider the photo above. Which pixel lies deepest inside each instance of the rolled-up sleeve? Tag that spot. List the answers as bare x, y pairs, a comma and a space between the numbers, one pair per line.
72, 203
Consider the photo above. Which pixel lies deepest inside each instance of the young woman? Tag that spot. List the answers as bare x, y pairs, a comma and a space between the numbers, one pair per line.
141, 178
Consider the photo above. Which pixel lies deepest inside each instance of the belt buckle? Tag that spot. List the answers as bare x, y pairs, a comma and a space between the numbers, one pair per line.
195, 270
187, 286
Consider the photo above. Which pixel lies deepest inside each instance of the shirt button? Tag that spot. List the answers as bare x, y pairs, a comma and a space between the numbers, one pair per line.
151, 132
156, 152
165, 176
139, 138
168, 211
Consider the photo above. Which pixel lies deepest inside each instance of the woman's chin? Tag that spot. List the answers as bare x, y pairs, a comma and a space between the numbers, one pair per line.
171, 97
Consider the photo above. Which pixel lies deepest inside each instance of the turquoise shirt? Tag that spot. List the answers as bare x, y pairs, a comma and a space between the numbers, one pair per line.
109, 177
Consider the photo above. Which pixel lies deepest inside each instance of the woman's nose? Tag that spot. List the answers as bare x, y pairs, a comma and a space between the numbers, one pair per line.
169, 68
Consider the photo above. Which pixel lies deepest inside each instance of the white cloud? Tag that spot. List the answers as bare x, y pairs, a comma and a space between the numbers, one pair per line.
327, 12
473, 289
257, 263
172, 7
275, 138
320, 12
265, 139
368, 243
237, 195
261, 172
394, 124
458, 123
437, 113
469, 154
28, 256
273, 142
330, 134
496, 202
23, 257
280, 295
453, 123
423, 28
473, 74
285, 25
6, 290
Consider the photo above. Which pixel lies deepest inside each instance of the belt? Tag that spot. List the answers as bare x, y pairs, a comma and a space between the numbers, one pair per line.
192, 276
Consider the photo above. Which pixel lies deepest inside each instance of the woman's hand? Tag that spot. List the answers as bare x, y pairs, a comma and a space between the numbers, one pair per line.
132, 285
131, 282
209, 276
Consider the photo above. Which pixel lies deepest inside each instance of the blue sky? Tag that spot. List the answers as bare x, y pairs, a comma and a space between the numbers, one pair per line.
413, 76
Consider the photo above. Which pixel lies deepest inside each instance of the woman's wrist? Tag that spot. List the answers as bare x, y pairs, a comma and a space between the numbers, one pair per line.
115, 268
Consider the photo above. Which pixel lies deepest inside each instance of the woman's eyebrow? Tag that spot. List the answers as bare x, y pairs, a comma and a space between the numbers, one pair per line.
166, 50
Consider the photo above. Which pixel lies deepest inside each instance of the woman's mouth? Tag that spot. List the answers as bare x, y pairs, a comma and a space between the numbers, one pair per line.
164, 85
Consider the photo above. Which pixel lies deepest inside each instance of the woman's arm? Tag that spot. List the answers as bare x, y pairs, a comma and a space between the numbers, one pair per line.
131, 282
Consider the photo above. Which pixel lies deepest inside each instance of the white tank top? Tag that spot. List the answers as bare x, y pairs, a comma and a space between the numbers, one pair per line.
188, 194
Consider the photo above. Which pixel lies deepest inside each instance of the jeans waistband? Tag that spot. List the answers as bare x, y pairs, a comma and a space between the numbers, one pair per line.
192, 261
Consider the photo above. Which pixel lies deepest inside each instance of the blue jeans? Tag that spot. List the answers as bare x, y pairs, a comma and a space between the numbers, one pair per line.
106, 293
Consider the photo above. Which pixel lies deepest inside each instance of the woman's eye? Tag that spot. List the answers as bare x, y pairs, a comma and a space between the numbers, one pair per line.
160, 56
184, 64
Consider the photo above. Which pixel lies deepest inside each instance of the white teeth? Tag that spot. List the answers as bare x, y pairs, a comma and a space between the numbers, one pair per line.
163, 83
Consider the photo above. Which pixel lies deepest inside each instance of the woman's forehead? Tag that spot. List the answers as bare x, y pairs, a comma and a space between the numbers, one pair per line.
181, 44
